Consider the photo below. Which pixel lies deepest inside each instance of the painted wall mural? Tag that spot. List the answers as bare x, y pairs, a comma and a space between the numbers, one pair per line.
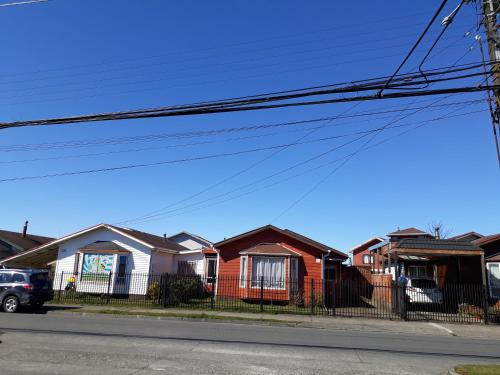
97, 263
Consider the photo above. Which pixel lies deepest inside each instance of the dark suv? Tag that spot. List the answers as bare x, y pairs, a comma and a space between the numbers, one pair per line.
24, 287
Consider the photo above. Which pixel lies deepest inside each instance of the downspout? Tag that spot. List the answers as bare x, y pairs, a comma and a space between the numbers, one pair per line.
217, 272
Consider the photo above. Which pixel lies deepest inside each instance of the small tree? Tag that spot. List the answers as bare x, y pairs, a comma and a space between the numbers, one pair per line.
438, 230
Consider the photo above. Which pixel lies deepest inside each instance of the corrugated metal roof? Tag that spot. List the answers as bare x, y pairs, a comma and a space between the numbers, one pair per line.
434, 244
378, 246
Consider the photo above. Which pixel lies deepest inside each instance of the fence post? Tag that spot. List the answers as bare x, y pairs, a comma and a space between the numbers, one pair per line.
485, 305
164, 292
60, 287
402, 291
109, 286
333, 298
313, 302
261, 293
212, 293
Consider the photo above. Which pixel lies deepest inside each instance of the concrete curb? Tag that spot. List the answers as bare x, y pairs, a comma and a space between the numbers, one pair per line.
193, 319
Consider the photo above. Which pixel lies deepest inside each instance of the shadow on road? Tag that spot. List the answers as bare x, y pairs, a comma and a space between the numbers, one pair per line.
44, 309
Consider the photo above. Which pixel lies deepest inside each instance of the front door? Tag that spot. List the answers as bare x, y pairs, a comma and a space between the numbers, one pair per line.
329, 275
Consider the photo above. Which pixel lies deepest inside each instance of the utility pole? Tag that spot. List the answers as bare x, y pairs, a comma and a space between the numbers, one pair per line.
490, 8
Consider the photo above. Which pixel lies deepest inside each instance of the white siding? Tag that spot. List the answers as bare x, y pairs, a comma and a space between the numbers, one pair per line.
137, 263
162, 263
197, 257
189, 242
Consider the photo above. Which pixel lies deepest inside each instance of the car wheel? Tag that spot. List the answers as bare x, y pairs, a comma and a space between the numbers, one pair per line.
11, 304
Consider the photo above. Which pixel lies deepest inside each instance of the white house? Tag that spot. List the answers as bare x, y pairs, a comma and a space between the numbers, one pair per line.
193, 260
110, 259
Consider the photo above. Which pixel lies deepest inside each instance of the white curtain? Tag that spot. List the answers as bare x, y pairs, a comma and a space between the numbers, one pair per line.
271, 268
494, 276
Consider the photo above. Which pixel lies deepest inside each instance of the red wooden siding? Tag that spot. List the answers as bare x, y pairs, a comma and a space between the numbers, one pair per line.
229, 266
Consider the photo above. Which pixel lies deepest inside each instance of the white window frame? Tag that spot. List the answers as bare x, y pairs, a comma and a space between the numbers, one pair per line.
243, 271
490, 287
118, 257
369, 257
98, 277
208, 259
255, 284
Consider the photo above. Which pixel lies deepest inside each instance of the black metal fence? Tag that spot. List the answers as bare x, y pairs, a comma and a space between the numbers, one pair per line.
349, 298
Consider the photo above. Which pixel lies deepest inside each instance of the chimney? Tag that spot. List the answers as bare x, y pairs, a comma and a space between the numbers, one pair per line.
25, 228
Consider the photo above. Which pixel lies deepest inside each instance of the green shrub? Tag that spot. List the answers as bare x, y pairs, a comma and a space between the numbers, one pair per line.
183, 289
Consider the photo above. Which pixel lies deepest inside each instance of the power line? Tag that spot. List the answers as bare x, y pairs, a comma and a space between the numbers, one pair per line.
282, 171
175, 212
414, 47
365, 145
236, 106
229, 45
446, 23
175, 74
47, 146
238, 173
175, 161
23, 3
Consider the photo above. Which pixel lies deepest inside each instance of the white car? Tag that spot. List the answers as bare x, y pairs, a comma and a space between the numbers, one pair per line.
423, 291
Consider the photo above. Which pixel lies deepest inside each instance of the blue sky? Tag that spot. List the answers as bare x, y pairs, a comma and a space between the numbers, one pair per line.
67, 57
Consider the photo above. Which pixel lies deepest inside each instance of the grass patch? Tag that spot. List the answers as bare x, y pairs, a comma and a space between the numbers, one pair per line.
478, 369
187, 316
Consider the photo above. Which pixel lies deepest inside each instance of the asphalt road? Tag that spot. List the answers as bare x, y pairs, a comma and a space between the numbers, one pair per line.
72, 344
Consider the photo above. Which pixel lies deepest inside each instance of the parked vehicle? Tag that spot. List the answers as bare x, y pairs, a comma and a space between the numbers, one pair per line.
24, 287
423, 291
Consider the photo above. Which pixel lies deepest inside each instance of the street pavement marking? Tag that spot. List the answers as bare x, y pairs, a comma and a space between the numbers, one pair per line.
443, 328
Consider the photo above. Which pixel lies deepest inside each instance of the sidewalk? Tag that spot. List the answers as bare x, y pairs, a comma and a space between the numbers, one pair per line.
479, 331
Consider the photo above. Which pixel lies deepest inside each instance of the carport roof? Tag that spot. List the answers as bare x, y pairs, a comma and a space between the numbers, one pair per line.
435, 246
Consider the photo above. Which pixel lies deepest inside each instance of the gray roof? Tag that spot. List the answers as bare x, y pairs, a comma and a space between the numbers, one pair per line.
435, 244
103, 246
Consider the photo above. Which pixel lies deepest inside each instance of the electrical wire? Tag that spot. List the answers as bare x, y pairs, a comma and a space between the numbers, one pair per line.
224, 107
23, 3
175, 161
414, 47
447, 22
48, 146
179, 211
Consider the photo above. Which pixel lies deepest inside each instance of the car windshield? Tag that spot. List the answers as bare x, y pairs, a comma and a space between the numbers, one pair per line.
423, 283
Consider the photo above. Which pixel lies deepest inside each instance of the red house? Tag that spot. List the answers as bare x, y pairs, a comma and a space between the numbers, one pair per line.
274, 264
363, 257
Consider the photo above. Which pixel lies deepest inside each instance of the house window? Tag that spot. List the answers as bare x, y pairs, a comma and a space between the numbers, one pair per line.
271, 270
122, 266
494, 279
417, 272
96, 267
211, 269
243, 271
186, 267
76, 266
294, 274
367, 259
329, 272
